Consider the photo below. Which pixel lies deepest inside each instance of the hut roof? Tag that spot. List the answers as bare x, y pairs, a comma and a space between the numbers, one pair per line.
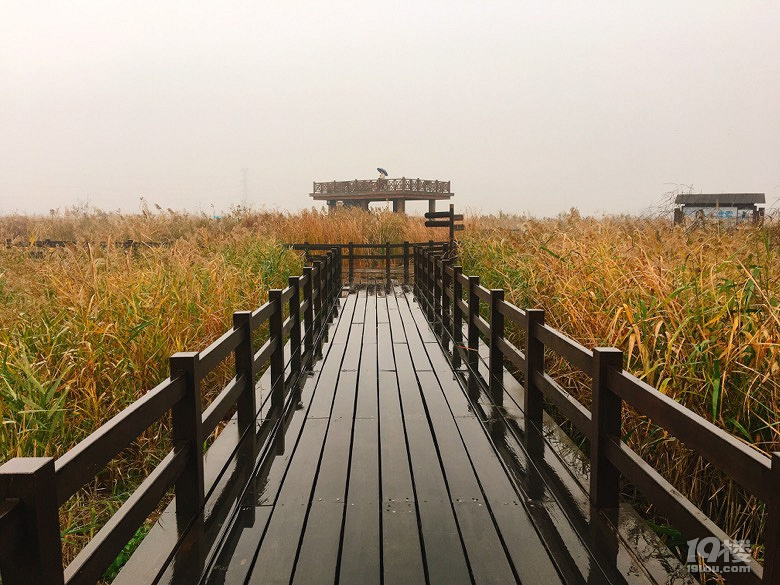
722, 199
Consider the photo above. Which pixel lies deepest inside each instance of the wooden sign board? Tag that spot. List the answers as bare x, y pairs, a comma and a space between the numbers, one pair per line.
443, 215
444, 224
445, 219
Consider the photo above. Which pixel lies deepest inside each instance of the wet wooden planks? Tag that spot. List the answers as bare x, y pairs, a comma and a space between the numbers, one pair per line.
278, 483
386, 476
478, 475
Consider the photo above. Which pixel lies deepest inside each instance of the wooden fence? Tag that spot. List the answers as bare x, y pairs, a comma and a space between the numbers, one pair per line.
357, 255
452, 303
33, 488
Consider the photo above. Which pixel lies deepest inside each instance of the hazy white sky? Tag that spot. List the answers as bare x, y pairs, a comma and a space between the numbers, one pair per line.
526, 106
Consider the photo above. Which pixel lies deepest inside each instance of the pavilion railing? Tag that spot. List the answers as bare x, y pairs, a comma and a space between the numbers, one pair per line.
381, 186
33, 488
452, 303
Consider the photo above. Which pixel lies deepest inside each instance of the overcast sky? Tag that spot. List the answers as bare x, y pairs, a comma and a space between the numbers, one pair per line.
525, 106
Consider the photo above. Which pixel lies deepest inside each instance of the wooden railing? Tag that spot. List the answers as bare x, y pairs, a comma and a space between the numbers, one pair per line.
392, 255
452, 304
33, 488
402, 185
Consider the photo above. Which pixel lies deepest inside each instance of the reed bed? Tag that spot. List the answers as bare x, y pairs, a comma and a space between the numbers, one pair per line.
86, 329
158, 225
695, 311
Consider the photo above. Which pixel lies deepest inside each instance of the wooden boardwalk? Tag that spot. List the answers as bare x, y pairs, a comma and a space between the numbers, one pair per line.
366, 451
389, 475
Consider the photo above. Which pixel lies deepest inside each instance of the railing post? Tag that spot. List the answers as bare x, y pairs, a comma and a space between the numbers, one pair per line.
295, 332
473, 337
336, 292
452, 226
436, 295
432, 280
308, 316
328, 292
445, 304
496, 361
339, 275
387, 264
420, 276
325, 284
187, 418
277, 355
772, 534
422, 266
332, 275
606, 421
415, 263
441, 298
533, 399
245, 361
337, 282
457, 316
406, 263
38, 554
318, 321
351, 262
430, 285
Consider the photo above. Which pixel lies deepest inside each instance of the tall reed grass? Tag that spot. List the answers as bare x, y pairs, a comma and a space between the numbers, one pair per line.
85, 330
696, 312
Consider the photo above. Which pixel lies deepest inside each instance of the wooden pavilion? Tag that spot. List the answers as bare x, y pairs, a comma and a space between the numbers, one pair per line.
359, 193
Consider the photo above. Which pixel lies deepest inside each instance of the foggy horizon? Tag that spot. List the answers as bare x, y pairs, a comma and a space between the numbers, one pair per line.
532, 108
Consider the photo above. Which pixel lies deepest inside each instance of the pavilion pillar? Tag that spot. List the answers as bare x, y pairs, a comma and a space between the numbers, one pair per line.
431, 205
399, 205
331, 205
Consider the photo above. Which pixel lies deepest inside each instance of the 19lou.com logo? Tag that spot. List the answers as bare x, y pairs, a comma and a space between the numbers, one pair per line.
728, 556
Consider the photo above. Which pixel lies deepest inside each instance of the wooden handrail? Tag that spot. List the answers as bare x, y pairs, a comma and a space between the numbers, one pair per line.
102, 549
393, 245
215, 353
744, 464
40, 485
224, 401
76, 467
577, 355
610, 456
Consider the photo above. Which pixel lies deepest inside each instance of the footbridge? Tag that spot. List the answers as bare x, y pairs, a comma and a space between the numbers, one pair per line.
392, 427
